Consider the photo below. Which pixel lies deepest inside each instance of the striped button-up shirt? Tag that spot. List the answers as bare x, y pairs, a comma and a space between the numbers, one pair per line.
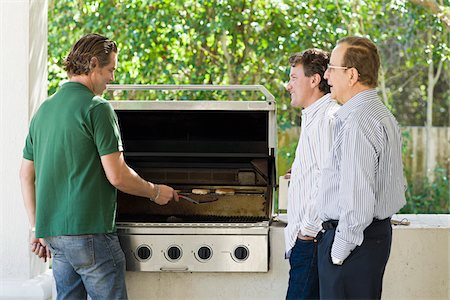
363, 177
313, 147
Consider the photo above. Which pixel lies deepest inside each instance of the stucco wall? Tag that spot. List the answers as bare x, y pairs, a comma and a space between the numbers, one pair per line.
23, 85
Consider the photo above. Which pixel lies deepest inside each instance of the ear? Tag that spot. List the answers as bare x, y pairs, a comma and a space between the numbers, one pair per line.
315, 80
353, 76
93, 63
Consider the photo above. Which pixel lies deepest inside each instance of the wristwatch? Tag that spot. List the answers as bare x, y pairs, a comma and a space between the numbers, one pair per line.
337, 261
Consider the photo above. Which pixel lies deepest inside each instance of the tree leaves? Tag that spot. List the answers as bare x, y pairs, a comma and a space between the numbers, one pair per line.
249, 42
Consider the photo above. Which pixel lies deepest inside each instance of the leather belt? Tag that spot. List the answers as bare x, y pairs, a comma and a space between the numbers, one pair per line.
305, 237
332, 224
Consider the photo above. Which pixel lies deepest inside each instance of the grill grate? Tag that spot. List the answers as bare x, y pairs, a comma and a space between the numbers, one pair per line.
190, 219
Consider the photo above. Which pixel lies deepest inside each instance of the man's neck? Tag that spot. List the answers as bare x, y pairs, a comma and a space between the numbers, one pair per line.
83, 79
355, 90
316, 95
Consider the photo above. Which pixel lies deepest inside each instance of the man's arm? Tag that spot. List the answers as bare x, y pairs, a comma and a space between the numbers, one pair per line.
357, 192
128, 181
27, 182
27, 179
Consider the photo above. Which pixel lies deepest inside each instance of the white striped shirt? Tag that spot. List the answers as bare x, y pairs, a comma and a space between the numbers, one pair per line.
363, 178
313, 147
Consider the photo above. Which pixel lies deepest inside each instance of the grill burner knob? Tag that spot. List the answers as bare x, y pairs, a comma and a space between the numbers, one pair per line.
204, 253
144, 252
241, 253
174, 252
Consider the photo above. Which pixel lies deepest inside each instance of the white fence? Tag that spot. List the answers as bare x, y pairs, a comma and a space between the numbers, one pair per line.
415, 139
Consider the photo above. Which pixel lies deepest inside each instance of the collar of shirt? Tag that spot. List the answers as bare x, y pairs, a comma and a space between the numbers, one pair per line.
309, 112
74, 85
354, 102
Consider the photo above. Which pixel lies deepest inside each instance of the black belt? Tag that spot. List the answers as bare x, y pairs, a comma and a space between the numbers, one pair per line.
332, 224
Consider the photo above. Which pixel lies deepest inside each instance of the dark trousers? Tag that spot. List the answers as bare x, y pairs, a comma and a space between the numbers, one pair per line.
303, 275
361, 274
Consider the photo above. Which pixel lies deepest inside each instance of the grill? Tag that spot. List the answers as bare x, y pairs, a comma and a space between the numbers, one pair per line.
136, 218
206, 145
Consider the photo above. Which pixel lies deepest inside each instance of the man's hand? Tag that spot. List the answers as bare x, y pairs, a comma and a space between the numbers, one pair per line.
39, 248
337, 261
166, 193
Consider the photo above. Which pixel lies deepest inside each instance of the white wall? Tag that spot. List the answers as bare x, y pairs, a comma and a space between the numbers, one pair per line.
23, 79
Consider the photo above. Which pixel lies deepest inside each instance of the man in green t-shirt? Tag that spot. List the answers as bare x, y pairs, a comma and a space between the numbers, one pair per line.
72, 167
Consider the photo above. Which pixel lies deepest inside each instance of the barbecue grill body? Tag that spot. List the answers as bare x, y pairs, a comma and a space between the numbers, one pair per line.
199, 144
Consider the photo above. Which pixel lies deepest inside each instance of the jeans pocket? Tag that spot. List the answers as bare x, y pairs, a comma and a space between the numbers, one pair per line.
48, 243
113, 245
80, 251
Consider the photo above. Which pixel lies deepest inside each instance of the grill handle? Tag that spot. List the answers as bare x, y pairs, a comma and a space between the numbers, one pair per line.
191, 87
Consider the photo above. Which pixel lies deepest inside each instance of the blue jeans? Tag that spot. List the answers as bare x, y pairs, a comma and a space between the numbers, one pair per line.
303, 275
91, 265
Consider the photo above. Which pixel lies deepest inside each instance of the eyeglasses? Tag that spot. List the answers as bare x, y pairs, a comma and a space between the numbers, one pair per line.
337, 67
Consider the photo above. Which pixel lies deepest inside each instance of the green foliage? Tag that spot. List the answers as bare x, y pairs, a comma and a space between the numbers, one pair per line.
249, 42
287, 144
423, 196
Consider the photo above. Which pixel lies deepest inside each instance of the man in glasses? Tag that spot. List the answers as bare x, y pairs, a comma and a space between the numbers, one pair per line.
310, 91
72, 167
362, 185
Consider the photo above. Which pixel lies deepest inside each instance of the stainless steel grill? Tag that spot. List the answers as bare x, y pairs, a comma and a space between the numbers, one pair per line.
199, 145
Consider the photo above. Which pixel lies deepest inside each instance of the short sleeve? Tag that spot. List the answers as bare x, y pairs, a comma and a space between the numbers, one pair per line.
28, 151
105, 129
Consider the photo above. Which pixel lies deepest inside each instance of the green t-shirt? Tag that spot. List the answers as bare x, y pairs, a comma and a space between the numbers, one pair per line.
67, 136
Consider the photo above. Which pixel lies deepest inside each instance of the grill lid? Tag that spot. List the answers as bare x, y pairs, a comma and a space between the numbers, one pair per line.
200, 143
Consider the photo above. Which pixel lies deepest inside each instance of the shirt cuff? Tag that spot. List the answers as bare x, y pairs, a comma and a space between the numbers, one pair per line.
341, 248
337, 261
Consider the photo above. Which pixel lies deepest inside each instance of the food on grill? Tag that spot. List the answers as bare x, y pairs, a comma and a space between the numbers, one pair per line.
225, 191
200, 191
